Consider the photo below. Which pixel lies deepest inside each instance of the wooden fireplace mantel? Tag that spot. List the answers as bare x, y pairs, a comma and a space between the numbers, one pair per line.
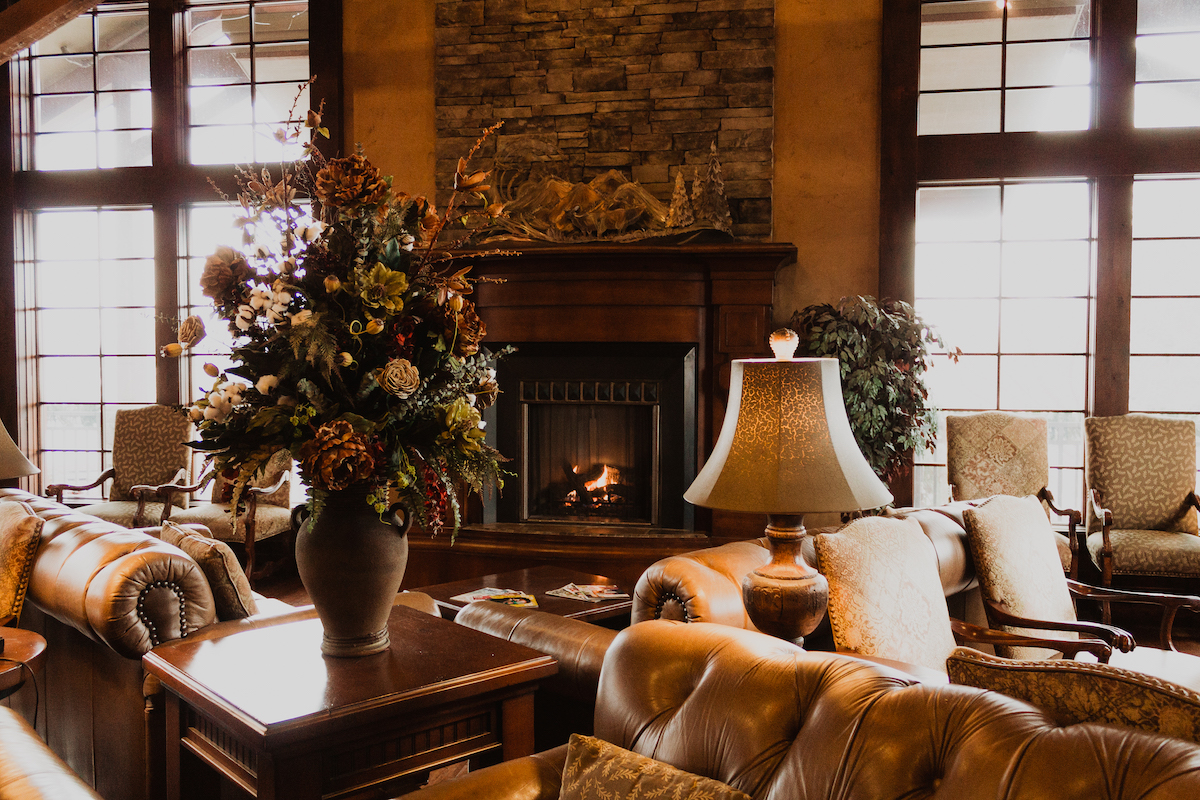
715, 295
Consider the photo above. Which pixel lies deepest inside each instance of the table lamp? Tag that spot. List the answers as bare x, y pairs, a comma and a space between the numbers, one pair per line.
13, 463
786, 449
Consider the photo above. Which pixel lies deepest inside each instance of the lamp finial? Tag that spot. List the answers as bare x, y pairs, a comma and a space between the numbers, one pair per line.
784, 343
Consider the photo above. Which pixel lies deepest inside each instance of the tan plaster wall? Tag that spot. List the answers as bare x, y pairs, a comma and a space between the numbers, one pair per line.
826, 188
387, 47
826, 183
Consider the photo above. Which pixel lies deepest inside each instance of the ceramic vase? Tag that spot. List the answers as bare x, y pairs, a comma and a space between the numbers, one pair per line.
351, 562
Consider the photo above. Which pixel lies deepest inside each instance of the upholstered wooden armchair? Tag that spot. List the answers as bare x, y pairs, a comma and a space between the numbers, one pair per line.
1141, 479
1024, 591
886, 600
994, 452
149, 450
265, 510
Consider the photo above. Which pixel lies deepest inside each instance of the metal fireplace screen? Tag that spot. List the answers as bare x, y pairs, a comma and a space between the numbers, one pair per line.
591, 453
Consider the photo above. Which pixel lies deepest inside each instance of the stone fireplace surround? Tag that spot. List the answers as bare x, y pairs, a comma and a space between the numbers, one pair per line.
715, 296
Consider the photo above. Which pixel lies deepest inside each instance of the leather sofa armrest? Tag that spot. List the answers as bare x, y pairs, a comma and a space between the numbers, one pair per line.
30, 770
578, 646
121, 587
536, 777
702, 586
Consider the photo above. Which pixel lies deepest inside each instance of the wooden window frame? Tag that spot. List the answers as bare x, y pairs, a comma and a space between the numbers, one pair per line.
168, 186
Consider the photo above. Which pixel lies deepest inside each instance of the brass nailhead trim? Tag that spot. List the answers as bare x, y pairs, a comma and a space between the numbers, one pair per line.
141, 610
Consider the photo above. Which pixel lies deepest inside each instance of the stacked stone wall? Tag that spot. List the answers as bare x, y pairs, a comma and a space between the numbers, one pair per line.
594, 85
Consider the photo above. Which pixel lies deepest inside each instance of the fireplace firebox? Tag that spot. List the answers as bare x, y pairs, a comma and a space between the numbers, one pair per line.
599, 433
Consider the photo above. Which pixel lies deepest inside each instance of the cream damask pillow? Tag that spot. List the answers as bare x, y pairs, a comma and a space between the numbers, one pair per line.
885, 595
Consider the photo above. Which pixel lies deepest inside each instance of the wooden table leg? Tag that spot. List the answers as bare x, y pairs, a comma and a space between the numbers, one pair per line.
174, 746
517, 726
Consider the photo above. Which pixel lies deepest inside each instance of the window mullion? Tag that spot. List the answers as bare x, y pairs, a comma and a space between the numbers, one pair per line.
1114, 275
1115, 58
167, 81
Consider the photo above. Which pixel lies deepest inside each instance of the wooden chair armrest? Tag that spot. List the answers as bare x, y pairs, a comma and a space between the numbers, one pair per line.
1169, 603
964, 631
1098, 510
1074, 517
56, 490
1122, 640
262, 490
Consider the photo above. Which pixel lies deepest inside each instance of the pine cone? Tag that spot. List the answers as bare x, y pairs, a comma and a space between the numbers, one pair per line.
349, 183
337, 458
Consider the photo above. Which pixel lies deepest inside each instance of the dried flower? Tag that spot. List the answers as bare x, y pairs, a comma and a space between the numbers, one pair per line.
191, 331
400, 378
337, 457
350, 183
384, 288
211, 370
224, 276
172, 350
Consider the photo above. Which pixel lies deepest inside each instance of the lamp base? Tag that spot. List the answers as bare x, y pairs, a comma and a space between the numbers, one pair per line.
786, 597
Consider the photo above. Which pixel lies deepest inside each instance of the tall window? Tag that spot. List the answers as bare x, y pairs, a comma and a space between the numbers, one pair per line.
113, 197
1054, 219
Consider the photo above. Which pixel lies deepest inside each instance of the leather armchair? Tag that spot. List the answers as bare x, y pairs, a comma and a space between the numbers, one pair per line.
29, 770
768, 718
706, 585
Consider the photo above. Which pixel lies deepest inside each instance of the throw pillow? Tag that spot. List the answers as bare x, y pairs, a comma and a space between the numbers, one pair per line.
597, 770
20, 535
231, 590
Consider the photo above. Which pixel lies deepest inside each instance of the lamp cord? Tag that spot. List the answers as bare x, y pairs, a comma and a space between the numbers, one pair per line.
32, 679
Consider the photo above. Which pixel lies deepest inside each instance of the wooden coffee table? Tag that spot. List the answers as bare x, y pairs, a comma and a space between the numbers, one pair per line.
536, 581
263, 709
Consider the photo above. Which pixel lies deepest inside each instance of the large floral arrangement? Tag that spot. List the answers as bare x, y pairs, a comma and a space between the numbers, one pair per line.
356, 345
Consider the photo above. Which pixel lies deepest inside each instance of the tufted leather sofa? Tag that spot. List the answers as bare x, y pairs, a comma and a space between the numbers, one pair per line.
775, 721
102, 596
706, 585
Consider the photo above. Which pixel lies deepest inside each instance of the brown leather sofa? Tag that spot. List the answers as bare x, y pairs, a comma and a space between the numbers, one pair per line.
102, 596
775, 721
706, 585
29, 770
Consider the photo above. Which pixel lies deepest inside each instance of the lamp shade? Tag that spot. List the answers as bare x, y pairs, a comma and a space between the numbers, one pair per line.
13, 463
786, 446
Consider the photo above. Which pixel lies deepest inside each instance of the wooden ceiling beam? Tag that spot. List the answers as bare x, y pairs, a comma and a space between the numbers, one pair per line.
26, 21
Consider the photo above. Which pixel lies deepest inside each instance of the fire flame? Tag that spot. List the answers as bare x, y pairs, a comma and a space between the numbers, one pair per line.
607, 477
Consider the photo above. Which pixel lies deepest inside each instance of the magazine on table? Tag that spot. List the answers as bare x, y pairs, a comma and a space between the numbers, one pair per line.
589, 592
509, 597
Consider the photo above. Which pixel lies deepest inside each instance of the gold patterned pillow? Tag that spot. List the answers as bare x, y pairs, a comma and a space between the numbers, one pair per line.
598, 770
20, 535
1017, 561
231, 590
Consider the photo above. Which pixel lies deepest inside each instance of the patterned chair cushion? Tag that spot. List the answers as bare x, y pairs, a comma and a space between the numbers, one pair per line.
1018, 565
996, 453
222, 490
268, 521
149, 447
230, 588
1142, 467
122, 512
885, 596
20, 536
1149, 553
598, 770
1077, 691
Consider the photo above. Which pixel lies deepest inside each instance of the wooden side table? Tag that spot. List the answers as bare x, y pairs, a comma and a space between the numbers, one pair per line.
537, 581
21, 647
263, 709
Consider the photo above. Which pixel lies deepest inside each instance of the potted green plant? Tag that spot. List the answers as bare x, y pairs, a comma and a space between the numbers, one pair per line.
884, 350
